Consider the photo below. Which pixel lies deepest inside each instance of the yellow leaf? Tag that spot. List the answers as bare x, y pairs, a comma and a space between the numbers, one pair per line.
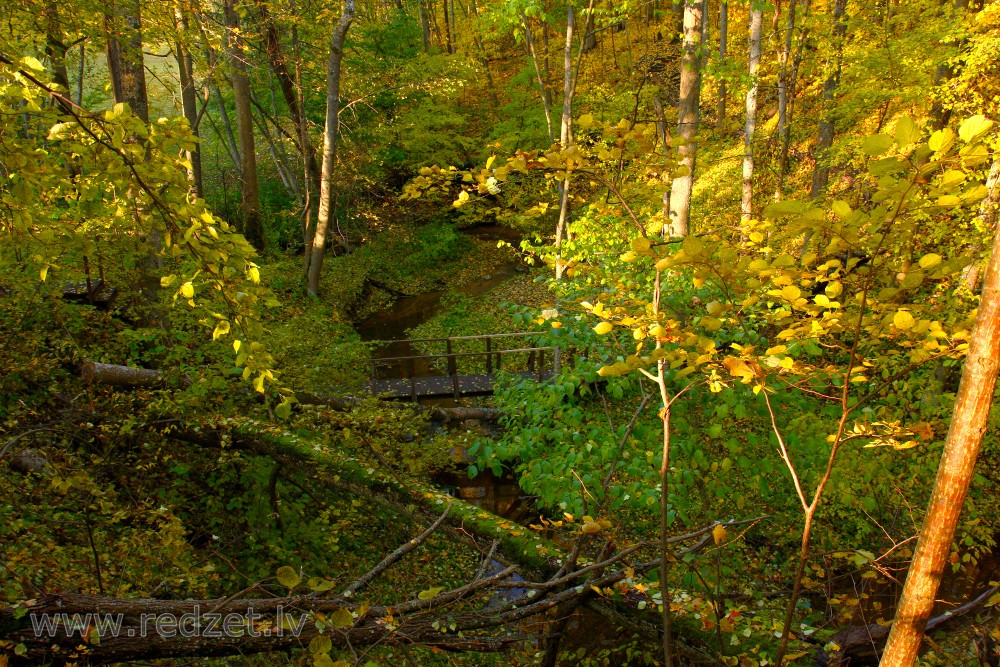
603, 328
187, 290
790, 292
719, 533
430, 593
930, 260
756, 237
903, 320
221, 329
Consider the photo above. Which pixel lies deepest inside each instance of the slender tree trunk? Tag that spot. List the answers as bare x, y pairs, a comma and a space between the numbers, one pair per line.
317, 246
723, 38
252, 227
425, 27
687, 120
793, 79
82, 72
589, 36
746, 202
185, 68
784, 90
821, 173
279, 66
538, 73
944, 72
124, 51
447, 26
968, 424
565, 136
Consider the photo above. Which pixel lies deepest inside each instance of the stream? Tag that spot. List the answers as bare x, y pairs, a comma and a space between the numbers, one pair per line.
501, 496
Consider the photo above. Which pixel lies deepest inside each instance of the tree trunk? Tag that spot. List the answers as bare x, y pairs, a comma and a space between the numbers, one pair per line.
425, 27
124, 51
723, 38
746, 202
251, 226
687, 120
944, 72
317, 246
185, 68
56, 49
276, 58
968, 423
821, 173
784, 90
543, 91
565, 136
589, 36
447, 26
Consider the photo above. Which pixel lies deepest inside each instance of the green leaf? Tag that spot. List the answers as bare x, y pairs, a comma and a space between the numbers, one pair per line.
342, 618
784, 208
288, 577
974, 127
430, 593
283, 410
841, 208
907, 132
876, 144
320, 644
31, 62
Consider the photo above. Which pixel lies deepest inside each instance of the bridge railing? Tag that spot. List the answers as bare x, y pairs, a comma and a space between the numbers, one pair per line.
539, 359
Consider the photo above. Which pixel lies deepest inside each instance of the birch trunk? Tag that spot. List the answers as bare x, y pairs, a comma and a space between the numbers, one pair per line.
687, 120
746, 202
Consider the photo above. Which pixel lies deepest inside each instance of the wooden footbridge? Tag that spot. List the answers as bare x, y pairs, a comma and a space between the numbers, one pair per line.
465, 366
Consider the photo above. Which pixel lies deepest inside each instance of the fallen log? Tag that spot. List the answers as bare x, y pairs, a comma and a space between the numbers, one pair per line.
120, 376
62, 628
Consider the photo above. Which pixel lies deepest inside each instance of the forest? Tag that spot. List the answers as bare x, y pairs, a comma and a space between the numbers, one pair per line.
529, 332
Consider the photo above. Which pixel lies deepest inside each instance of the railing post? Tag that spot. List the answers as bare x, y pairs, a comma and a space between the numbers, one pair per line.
489, 356
541, 364
555, 360
411, 368
531, 362
453, 370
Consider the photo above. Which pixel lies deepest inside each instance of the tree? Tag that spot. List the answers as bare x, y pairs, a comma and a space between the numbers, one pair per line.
317, 246
746, 201
821, 172
688, 113
185, 69
252, 226
124, 51
958, 462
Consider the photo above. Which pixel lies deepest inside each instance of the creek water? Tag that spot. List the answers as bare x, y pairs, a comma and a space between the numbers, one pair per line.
389, 330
